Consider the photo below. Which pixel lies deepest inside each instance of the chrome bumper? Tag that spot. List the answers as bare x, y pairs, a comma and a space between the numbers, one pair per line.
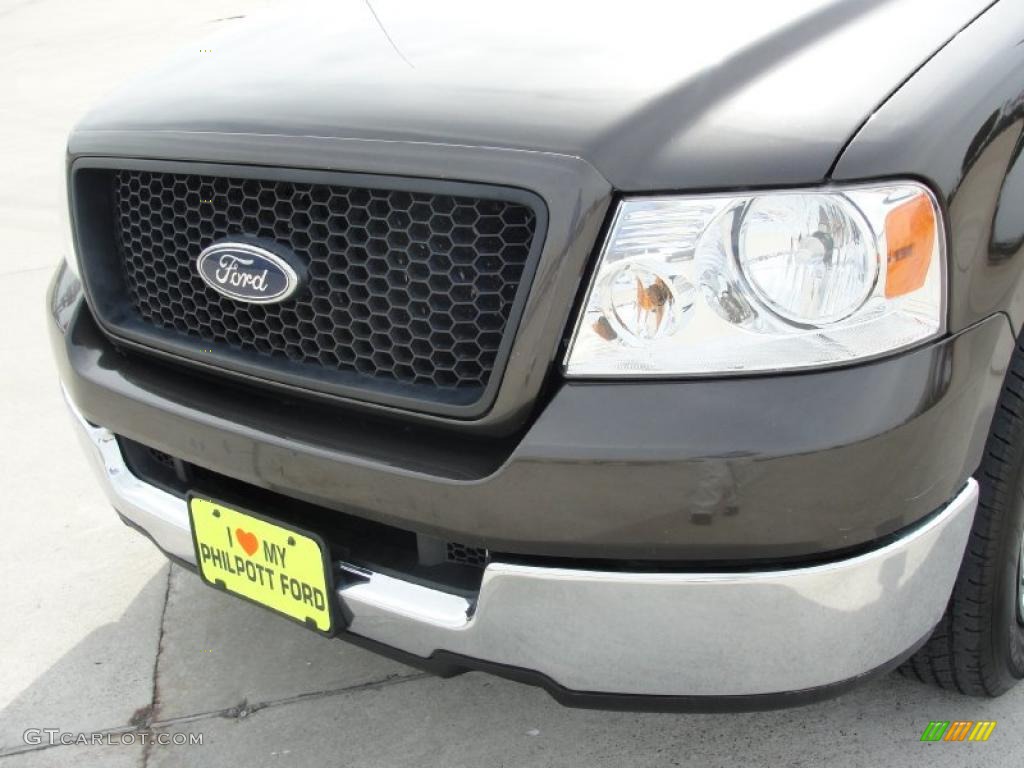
675, 634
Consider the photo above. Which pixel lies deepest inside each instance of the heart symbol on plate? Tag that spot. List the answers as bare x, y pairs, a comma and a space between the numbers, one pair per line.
248, 540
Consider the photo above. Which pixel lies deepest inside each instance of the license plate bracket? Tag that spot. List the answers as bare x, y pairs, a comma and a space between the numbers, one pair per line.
284, 568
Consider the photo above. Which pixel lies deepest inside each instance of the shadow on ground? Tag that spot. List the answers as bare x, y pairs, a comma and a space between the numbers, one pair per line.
104, 681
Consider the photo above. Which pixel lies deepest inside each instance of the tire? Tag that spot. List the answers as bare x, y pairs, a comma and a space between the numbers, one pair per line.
978, 646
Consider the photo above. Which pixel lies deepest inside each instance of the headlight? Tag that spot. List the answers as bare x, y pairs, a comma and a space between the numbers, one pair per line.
763, 282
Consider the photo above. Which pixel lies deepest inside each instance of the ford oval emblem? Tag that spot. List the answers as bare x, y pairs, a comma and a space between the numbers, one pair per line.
247, 272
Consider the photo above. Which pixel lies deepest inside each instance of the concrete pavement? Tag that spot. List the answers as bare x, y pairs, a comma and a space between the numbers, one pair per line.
99, 634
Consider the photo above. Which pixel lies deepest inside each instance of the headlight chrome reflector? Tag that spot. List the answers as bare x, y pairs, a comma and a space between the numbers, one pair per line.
810, 258
792, 279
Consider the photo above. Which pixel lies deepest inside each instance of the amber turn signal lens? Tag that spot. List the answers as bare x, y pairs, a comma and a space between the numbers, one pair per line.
910, 234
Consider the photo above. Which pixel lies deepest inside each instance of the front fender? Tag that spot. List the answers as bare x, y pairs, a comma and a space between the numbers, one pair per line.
958, 124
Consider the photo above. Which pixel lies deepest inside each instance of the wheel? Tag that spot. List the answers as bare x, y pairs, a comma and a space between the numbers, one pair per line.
978, 646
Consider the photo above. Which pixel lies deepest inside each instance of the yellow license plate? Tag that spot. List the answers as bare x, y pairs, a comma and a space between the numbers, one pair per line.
276, 566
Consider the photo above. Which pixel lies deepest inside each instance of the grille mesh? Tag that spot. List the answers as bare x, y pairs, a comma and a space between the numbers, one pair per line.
404, 286
466, 555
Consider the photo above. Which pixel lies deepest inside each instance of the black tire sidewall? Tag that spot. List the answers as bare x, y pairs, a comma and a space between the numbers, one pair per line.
1000, 520
1007, 632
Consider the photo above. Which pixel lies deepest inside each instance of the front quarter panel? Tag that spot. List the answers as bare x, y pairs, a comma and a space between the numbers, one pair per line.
959, 124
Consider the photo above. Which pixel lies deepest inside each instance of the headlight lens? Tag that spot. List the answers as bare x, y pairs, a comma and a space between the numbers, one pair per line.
762, 282
810, 258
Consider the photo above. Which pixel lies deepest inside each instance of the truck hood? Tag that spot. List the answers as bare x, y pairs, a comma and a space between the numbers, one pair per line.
655, 96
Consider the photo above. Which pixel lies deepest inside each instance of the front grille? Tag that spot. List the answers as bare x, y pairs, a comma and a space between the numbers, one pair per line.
161, 458
466, 555
403, 287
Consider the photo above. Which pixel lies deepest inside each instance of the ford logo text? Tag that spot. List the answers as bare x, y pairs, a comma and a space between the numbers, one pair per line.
246, 272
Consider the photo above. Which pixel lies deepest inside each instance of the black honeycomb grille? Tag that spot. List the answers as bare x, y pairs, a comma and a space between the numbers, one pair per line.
409, 287
466, 555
